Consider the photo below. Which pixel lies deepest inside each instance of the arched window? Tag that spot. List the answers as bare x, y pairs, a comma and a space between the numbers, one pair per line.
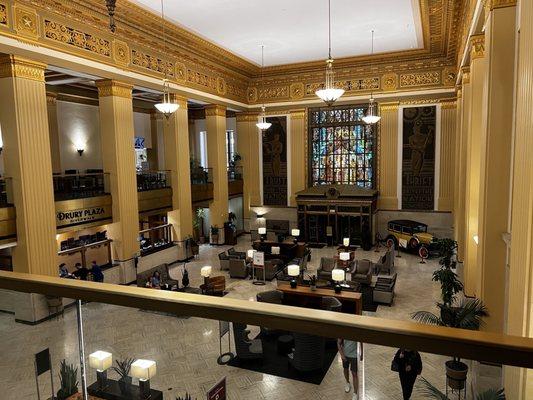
342, 147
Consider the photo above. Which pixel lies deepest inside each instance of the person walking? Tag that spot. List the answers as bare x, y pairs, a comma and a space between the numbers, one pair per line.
408, 364
348, 350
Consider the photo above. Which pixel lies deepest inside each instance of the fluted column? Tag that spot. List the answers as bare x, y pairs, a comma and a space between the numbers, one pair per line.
496, 146
388, 157
176, 143
298, 132
477, 72
215, 118
248, 147
118, 156
518, 382
448, 118
53, 128
460, 213
27, 159
153, 153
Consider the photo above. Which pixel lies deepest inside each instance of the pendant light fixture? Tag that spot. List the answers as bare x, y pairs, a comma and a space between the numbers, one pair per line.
263, 124
166, 107
111, 5
371, 116
329, 94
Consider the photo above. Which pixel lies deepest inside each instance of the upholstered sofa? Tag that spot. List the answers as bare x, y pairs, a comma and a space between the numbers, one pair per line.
144, 277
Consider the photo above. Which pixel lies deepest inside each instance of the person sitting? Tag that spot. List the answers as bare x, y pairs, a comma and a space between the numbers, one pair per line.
155, 280
81, 272
63, 271
96, 271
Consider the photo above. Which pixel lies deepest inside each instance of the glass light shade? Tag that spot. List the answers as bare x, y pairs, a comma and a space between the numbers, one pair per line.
293, 270
329, 96
295, 232
263, 125
250, 253
346, 242
371, 116
143, 369
344, 256
275, 250
206, 271
337, 275
167, 108
100, 360
262, 231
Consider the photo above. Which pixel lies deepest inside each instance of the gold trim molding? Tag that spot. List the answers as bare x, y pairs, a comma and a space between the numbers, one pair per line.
297, 114
110, 87
448, 104
17, 67
4, 15
215, 110
477, 49
247, 117
492, 4
389, 107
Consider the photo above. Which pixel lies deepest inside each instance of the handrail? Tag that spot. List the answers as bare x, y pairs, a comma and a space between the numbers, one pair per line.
480, 346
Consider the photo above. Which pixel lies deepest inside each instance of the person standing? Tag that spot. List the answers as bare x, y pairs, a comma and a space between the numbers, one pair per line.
408, 364
348, 350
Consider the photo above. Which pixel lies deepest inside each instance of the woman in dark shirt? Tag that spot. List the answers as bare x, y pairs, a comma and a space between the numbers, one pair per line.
408, 364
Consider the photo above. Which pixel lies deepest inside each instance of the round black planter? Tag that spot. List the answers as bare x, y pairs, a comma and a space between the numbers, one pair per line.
456, 373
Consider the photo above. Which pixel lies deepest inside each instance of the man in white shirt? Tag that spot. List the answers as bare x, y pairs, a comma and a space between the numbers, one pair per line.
348, 350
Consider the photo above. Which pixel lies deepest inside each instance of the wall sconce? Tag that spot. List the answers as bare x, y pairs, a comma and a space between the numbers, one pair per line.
143, 370
80, 151
101, 361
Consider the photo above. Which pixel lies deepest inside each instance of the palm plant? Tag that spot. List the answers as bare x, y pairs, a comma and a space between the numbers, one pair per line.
123, 368
466, 314
430, 391
68, 377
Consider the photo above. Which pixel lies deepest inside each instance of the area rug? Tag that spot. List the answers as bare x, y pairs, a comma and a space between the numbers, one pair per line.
278, 365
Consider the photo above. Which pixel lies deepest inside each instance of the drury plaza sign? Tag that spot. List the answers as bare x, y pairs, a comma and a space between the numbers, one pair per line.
80, 216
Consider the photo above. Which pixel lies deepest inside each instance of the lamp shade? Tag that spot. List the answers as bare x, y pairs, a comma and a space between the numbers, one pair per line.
346, 242
295, 232
293, 270
275, 250
250, 253
337, 275
143, 369
262, 231
206, 271
100, 360
344, 256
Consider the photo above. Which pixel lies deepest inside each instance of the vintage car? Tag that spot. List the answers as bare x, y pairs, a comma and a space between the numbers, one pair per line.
411, 236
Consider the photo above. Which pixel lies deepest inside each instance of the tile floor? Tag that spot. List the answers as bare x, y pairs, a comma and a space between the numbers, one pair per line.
186, 349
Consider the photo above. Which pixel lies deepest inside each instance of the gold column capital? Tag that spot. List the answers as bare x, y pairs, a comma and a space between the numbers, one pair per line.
477, 43
447, 104
389, 106
215, 110
12, 66
492, 4
297, 114
51, 98
111, 87
459, 92
465, 73
247, 116
179, 100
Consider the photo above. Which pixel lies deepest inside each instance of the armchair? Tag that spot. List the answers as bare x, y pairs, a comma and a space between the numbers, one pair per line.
215, 286
384, 289
271, 268
236, 254
224, 261
237, 268
326, 266
245, 348
363, 272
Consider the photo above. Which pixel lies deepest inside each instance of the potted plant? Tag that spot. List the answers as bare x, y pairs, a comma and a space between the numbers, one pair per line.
214, 234
68, 377
123, 368
430, 391
312, 282
447, 249
198, 224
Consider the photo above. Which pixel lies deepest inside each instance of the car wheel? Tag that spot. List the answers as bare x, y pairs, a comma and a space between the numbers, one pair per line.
413, 243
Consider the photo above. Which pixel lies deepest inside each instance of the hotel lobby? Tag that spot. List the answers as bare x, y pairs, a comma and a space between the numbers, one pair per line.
208, 199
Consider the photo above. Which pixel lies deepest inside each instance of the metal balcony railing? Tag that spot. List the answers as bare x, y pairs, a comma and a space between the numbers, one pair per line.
152, 180
78, 186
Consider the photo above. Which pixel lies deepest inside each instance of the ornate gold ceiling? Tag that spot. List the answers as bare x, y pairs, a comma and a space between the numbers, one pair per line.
81, 27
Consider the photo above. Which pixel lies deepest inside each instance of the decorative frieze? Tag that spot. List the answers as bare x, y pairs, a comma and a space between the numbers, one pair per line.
121, 52
26, 21
73, 37
420, 79
247, 117
202, 79
273, 92
297, 114
152, 63
389, 81
18, 67
215, 110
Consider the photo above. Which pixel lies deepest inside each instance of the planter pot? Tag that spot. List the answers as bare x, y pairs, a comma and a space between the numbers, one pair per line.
456, 373
214, 239
201, 240
313, 287
125, 385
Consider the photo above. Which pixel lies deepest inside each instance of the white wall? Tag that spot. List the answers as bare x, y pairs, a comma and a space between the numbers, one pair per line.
141, 127
235, 206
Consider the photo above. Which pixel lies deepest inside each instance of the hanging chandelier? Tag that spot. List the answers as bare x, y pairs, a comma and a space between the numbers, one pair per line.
371, 116
111, 4
329, 94
263, 124
166, 107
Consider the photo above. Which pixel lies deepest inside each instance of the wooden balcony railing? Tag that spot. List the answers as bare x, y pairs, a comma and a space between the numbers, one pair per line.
481, 346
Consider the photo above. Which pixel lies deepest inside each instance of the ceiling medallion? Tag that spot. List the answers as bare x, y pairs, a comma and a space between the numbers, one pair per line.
330, 94
166, 107
371, 116
263, 124
110, 4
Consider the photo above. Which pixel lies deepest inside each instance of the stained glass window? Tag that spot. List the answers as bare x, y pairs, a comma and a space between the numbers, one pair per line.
341, 147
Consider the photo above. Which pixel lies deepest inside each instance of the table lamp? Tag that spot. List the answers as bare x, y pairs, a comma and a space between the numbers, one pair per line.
101, 361
275, 250
338, 276
293, 270
262, 232
143, 370
206, 272
344, 257
346, 242
295, 233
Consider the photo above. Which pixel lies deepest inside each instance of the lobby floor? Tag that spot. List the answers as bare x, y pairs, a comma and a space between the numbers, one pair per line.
186, 349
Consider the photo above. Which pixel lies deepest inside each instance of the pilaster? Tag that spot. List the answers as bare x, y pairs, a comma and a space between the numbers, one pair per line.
118, 156
448, 118
53, 128
153, 153
176, 147
388, 156
24, 120
298, 132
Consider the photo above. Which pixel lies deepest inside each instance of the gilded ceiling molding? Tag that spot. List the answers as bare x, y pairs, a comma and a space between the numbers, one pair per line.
215, 110
17, 67
447, 104
247, 116
110, 87
478, 46
26, 21
298, 114
421, 102
389, 106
